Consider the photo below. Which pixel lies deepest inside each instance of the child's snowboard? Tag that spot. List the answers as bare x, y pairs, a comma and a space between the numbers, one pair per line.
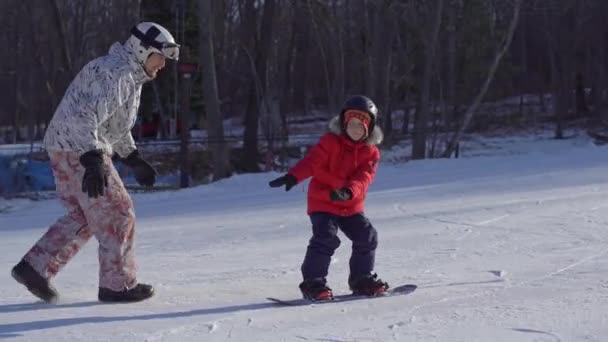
396, 291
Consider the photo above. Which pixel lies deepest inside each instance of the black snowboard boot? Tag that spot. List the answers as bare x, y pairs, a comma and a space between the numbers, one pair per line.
316, 289
138, 293
25, 274
367, 285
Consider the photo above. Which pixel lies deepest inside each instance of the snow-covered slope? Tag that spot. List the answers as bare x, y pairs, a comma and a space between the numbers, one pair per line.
503, 248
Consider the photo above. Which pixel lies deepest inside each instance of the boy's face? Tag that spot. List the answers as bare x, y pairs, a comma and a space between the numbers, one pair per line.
355, 129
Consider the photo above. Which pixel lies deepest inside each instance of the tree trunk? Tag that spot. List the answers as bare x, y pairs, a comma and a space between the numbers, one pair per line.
523, 81
383, 40
422, 115
251, 122
557, 97
298, 95
19, 74
164, 117
581, 99
541, 101
332, 104
252, 115
601, 84
285, 106
16, 111
454, 141
183, 116
60, 27
268, 94
450, 119
405, 127
215, 127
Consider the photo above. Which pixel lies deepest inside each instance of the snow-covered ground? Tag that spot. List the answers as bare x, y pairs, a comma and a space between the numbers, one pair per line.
506, 247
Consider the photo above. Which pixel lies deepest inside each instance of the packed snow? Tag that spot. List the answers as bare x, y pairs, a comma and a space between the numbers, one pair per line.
509, 243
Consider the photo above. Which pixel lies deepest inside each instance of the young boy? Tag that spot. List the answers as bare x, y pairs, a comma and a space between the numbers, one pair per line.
342, 166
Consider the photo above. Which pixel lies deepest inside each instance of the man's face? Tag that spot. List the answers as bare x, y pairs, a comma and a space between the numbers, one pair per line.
154, 64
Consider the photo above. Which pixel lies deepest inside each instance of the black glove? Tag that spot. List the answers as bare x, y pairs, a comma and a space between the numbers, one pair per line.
339, 195
95, 177
288, 180
144, 172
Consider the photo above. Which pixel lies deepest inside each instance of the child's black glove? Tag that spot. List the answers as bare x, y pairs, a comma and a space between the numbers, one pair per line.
144, 172
339, 195
288, 180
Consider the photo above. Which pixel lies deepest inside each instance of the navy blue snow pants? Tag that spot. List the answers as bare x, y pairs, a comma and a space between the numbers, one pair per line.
325, 241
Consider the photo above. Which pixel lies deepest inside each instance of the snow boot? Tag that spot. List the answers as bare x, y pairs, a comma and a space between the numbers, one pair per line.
138, 293
25, 274
367, 285
316, 289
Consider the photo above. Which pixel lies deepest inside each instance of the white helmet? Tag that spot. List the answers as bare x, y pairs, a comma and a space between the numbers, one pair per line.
148, 37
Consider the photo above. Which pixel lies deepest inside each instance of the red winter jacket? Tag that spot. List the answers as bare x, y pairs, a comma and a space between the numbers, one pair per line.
336, 162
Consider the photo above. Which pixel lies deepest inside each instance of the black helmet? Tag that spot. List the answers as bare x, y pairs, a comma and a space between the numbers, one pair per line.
361, 103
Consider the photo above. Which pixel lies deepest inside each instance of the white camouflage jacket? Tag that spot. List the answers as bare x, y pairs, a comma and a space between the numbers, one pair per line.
100, 106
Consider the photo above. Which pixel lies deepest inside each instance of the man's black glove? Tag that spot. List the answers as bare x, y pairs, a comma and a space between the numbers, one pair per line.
339, 195
288, 180
95, 177
144, 172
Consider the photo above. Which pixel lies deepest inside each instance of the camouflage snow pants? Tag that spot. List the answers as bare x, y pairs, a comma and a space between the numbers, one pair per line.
110, 218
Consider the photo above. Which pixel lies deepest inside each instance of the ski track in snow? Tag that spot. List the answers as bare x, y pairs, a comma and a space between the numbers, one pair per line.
494, 290
532, 331
487, 223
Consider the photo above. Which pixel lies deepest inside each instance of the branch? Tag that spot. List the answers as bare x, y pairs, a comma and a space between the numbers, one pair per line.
61, 30
497, 58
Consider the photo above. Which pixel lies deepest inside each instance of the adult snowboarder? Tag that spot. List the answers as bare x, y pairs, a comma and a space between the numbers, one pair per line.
92, 122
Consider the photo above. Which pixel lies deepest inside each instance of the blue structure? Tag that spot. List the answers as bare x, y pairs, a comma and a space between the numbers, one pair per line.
20, 174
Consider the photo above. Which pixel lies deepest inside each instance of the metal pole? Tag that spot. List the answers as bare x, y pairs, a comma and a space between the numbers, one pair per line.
183, 129
184, 113
177, 6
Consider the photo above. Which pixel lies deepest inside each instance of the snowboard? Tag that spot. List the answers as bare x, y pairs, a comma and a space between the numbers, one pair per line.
396, 291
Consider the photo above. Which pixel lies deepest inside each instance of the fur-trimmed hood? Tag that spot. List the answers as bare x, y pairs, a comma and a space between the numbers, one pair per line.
373, 139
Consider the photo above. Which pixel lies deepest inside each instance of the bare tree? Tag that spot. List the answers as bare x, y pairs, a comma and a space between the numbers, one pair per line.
328, 38
307, 55
453, 143
302, 64
262, 39
384, 35
422, 114
60, 28
451, 111
215, 127
19, 74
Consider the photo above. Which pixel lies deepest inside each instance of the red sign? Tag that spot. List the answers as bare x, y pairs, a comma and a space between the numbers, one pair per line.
186, 68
